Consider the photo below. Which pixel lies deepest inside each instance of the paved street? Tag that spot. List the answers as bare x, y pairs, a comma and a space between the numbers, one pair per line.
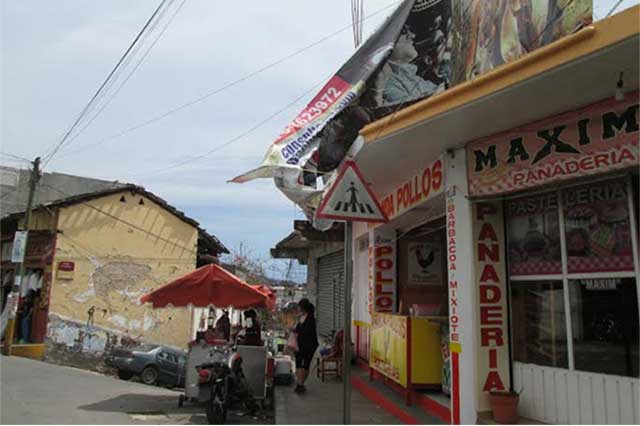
322, 404
37, 392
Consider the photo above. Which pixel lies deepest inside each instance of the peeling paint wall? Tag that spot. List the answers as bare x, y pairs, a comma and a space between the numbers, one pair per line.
76, 344
114, 264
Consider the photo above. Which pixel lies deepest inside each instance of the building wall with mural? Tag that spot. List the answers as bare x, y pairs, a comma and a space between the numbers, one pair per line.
104, 263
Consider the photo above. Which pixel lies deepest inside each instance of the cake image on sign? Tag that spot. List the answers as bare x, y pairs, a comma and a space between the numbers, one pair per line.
350, 198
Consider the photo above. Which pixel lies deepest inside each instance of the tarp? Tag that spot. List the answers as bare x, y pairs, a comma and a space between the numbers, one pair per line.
210, 285
423, 48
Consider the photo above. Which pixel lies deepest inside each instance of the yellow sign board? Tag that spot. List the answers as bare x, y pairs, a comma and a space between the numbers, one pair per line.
389, 346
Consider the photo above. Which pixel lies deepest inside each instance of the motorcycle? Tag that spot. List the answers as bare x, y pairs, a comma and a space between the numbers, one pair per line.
222, 384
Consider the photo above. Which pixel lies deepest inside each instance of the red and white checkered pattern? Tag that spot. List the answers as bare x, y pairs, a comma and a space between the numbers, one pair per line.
542, 267
600, 264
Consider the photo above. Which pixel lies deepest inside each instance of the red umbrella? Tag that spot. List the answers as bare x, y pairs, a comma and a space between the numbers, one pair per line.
208, 285
266, 290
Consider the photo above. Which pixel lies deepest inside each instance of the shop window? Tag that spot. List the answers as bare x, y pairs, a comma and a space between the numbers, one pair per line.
597, 228
538, 323
534, 236
604, 314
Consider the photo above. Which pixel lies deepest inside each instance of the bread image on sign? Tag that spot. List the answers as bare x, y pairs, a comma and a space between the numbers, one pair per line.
350, 199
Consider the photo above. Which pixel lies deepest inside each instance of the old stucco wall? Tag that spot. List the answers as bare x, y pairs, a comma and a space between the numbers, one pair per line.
115, 263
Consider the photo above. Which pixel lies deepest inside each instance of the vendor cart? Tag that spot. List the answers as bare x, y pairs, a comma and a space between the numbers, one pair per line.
212, 286
254, 364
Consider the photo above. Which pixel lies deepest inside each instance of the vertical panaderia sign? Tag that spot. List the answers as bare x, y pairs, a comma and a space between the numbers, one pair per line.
493, 352
597, 139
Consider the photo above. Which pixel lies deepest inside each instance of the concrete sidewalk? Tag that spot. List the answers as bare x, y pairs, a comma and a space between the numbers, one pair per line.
322, 404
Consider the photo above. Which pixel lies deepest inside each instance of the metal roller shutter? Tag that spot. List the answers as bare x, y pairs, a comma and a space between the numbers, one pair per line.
330, 292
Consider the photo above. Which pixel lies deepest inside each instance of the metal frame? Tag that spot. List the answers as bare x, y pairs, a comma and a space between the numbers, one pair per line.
565, 276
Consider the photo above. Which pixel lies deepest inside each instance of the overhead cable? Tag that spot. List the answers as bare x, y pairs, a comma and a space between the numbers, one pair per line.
117, 90
87, 107
233, 139
229, 85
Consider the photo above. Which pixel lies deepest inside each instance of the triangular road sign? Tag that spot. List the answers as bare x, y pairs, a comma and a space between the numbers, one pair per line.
350, 199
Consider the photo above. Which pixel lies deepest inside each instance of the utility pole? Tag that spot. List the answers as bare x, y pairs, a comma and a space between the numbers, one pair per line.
17, 286
346, 347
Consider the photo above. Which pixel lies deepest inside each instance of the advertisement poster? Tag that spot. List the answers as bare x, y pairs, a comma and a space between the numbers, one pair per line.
389, 346
597, 228
533, 235
19, 246
599, 138
422, 49
494, 32
425, 264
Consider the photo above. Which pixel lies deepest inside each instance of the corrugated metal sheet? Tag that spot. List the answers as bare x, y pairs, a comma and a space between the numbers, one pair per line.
330, 313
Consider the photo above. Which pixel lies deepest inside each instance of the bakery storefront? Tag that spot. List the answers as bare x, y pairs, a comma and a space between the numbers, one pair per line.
555, 210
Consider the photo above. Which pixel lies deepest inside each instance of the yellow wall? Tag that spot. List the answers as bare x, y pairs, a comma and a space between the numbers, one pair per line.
116, 263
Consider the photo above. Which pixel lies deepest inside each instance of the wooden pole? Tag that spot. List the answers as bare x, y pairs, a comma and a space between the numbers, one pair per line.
17, 287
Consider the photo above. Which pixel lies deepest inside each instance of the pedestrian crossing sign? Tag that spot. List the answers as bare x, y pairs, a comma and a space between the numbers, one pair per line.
350, 199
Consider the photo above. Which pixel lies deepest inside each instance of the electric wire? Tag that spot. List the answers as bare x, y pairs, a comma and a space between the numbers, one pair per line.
233, 83
613, 9
84, 111
235, 138
117, 90
15, 157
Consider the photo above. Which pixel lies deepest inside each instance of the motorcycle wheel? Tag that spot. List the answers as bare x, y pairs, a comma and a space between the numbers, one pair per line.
216, 414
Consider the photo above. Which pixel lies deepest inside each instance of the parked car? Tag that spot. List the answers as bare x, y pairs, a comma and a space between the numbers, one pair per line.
155, 365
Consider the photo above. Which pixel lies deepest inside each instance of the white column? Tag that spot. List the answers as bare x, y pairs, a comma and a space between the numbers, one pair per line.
462, 291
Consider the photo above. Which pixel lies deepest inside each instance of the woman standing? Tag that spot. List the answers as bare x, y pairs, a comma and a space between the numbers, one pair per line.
307, 342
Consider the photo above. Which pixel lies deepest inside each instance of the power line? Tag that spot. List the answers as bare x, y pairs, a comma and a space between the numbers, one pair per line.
235, 138
613, 9
115, 93
15, 157
231, 84
104, 83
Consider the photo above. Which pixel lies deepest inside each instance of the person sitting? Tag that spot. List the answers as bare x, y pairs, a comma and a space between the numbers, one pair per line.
224, 325
252, 332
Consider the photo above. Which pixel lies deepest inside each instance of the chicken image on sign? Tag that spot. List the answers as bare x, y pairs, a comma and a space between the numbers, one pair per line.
350, 199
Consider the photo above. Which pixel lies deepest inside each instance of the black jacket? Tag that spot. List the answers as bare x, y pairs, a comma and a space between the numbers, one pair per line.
307, 335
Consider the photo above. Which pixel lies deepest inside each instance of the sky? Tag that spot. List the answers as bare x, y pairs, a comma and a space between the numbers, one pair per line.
56, 54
